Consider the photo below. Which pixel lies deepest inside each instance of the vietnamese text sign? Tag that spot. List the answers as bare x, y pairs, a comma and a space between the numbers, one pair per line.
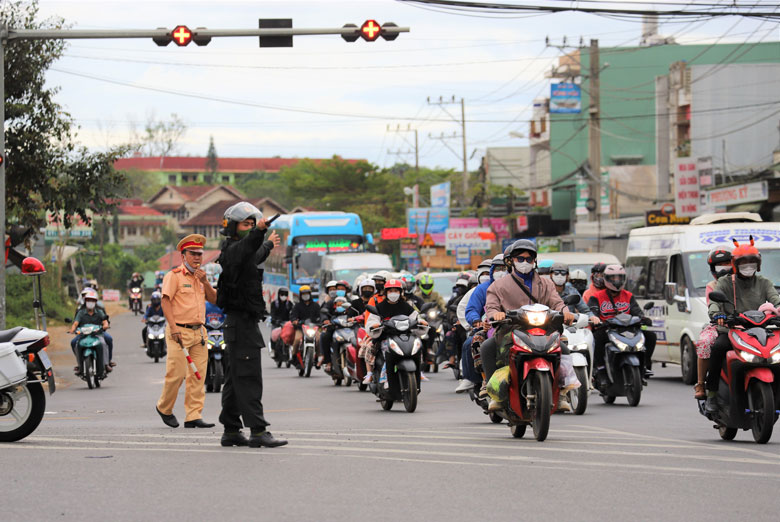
440, 194
437, 220
654, 218
389, 234
463, 255
110, 295
522, 223
427, 252
746, 193
705, 172
604, 193
583, 193
565, 98
474, 238
408, 248
548, 244
686, 188
498, 225
55, 227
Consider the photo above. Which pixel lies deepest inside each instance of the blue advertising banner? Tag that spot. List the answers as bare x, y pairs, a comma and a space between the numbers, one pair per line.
438, 220
565, 98
440, 194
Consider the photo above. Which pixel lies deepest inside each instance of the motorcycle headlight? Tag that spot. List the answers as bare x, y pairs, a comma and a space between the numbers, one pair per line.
432, 314
394, 346
310, 332
536, 318
580, 347
338, 337
416, 346
617, 342
640, 345
775, 359
748, 357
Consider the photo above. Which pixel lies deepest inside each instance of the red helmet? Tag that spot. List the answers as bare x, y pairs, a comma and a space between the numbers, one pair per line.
344, 284
744, 253
615, 277
394, 283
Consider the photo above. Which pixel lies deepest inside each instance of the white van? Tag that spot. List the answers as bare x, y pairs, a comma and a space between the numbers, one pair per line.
580, 260
668, 265
336, 267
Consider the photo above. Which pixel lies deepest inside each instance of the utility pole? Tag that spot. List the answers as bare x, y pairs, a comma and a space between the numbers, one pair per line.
462, 121
399, 130
594, 134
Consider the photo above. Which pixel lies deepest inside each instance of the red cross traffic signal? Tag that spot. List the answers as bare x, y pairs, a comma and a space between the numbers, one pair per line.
181, 35
370, 30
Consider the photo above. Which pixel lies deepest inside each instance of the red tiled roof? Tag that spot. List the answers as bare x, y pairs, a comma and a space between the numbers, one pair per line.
212, 215
172, 260
192, 192
142, 223
138, 210
163, 207
191, 164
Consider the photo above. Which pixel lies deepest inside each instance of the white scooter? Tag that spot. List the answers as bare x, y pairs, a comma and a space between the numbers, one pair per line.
580, 341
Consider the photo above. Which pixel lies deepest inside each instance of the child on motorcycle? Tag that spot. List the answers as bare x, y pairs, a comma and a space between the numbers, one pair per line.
719, 260
90, 314
154, 308
747, 291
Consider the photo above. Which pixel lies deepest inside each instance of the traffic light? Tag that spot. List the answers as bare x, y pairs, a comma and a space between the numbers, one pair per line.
351, 37
163, 40
370, 30
198, 39
182, 36
276, 41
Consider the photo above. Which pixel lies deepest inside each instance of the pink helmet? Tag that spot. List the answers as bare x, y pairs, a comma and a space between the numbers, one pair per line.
615, 277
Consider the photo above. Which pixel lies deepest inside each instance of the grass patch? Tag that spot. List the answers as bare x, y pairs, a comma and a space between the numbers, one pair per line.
19, 300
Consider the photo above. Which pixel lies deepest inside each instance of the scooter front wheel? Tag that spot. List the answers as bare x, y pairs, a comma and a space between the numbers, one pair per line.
579, 397
762, 404
727, 433
518, 430
543, 405
633, 382
410, 392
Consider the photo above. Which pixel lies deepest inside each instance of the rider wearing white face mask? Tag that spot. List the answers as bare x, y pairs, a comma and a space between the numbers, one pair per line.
281, 308
745, 290
559, 273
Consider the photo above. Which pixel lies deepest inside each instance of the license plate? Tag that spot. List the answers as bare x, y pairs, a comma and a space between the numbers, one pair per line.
44, 357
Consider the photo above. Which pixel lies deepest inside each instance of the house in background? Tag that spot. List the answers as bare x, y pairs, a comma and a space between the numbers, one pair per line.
182, 203
209, 221
136, 224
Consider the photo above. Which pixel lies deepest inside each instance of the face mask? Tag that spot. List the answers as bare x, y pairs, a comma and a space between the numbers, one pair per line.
598, 281
189, 268
580, 286
559, 280
380, 287
748, 269
523, 267
721, 270
483, 278
305, 297
340, 309
243, 233
90, 305
498, 274
393, 297
283, 298
341, 293
367, 294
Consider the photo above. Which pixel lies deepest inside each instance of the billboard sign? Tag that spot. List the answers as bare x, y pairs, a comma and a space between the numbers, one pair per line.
736, 195
436, 219
477, 239
440, 194
498, 225
565, 98
686, 188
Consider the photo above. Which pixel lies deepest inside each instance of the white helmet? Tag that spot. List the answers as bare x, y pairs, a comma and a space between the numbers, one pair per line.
90, 293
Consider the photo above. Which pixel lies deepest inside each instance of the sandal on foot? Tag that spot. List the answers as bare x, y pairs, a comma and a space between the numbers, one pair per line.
699, 392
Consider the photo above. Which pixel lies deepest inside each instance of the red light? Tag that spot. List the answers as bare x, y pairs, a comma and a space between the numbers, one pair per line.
32, 266
181, 35
370, 30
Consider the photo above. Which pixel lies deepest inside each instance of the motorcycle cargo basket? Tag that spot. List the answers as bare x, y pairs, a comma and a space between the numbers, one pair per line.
12, 367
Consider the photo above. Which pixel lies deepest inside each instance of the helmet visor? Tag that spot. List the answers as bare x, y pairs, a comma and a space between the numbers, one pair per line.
615, 281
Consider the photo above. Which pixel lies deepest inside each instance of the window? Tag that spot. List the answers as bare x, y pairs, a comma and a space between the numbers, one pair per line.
207, 179
677, 274
636, 276
225, 179
657, 278
172, 180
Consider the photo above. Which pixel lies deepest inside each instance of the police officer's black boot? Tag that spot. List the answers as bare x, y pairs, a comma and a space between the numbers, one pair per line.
234, 438
264, 438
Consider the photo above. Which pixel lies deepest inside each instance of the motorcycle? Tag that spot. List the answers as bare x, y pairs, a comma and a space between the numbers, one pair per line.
92, 369
401, 355
356, 366
483, 402
215, 371
748, 393
155, 337
625, 359
580, 342
344, 338
308, 350
136, 300
434, 331
280, 352
534, 358
24, 367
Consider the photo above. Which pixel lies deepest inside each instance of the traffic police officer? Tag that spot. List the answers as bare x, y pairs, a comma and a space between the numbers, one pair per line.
240, 295
185, 290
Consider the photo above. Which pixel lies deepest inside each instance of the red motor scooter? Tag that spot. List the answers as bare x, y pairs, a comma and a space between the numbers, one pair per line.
356, 366
748, 394
534, 357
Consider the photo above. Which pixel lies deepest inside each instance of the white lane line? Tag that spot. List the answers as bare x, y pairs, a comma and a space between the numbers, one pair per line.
505, 459
521, 446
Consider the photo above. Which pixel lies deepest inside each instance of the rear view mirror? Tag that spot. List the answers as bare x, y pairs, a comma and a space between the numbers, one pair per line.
649, 305
427, 306
670, 291
571, 300
372, 309
718, 297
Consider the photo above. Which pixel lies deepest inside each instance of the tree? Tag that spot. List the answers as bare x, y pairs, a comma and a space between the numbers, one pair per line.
159, 138
211, 157
45, 169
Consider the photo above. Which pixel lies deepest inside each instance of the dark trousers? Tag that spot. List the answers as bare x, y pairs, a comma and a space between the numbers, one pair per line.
243, 391
600, 342
720, 348
488, 352
467, 362
325, 341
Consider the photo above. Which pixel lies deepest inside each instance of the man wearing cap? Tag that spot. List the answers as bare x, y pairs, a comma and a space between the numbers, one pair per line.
185, 290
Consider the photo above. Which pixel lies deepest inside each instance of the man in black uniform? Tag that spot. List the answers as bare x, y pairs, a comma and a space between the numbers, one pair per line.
240, 295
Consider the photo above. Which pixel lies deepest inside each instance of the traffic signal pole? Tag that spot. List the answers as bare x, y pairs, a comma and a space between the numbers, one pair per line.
369, 31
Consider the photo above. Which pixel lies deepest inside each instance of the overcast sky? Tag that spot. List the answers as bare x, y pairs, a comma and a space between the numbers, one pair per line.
312, 100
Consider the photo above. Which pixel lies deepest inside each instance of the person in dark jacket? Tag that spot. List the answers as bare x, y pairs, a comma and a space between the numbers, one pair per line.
305, 309
281, 307
240, 295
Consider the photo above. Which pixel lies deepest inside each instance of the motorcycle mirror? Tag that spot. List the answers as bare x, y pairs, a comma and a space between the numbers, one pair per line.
372, 309
649, 305
427, 306
571, 300
718, 297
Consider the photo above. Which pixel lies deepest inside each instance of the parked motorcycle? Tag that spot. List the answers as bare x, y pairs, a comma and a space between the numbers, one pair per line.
92, 369
24, 367
155, 337
624, 355
215, 371
136, 300
308, 350
343, 338
748, 393
435, 331
401, 355
534, 358
580, 342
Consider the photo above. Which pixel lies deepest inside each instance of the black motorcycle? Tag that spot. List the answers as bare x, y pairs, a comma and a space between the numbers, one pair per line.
433, 338
401, 356
215, 372
624, 359
155, 337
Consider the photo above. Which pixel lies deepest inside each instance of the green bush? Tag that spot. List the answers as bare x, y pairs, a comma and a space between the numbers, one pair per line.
19, 301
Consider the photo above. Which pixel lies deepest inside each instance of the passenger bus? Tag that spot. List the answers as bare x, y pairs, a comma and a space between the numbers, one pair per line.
305, 238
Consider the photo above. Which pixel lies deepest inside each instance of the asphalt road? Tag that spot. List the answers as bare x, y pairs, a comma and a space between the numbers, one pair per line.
105, 454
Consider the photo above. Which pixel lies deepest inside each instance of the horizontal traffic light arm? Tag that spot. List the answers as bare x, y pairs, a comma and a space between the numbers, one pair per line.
69, 34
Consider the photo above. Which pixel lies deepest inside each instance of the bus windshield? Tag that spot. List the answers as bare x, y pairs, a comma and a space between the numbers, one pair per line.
308, 252
700, 270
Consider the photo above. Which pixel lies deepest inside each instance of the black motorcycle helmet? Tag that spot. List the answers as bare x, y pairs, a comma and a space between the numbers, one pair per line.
379, 282
283, 292
719, 256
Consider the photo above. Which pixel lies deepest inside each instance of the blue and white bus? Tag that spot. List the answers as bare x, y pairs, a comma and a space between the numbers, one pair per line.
305, 238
